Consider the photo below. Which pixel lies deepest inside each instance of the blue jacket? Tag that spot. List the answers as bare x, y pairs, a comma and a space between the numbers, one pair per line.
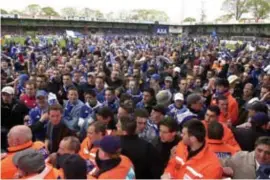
114, 105
100, 95
135, 97
174, 111
72, 114
34, 116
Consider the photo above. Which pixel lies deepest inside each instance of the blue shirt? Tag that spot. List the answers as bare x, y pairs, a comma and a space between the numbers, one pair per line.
100, 95
114, 105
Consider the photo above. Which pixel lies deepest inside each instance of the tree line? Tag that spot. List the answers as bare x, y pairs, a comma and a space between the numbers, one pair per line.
238, 9
136, 14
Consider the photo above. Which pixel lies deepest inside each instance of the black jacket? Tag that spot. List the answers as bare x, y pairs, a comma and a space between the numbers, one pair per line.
246, 138
164, 149
11, 115
55, 133
54, 86
144, 157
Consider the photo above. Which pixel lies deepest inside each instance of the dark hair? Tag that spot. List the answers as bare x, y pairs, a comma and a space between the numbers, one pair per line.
214, 109
105, 112
110, 89
151, 91
182, 80
99, 127
215, 130
195, 128
73, 143
72, 88
90, 92
128, 106
221, 98
42, 76
265, 140
74, 167
77, 72
169, 123
67, 74
31, 83
56, 107
100, 77
141, 113
266, 86
129, 125
222, 82
125, 97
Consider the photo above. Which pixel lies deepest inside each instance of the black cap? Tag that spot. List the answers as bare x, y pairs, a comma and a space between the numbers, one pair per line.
258, 107
160, 108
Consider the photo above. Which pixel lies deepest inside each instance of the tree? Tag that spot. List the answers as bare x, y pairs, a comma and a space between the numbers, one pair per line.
235, 7
49, 11
110, 16
15, 12
33, 9
189, 19
98, 14
225, 18
3, 11
69, 11
149, 15
259, 8
86, 12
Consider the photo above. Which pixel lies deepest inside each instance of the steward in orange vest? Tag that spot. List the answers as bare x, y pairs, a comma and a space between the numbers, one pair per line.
110, 164
193, 158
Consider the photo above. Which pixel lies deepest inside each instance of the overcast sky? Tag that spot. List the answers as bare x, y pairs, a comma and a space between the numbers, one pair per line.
176, 9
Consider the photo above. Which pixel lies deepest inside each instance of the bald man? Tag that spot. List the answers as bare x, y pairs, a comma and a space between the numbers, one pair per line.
19, 138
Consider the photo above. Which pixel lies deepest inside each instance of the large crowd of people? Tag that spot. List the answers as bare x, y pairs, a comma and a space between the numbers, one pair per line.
135, 107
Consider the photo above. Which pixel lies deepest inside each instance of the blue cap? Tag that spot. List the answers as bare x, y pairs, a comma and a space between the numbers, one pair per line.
41, 93
156, 77
109, 144
23, 77
260, 119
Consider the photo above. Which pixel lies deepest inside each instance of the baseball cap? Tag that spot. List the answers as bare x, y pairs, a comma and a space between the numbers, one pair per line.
29, 161
232, 78
9, 90
91, 74
109, 144
178, 96
164, 97
41, 93
257, 106
168, 78
260, 119
156, 77
177, 69
159, 108
194, 98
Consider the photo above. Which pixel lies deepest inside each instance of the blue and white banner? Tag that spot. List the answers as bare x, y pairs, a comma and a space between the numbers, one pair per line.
161, 29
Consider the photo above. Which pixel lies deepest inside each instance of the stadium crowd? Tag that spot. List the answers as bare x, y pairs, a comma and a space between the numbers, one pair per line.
144, 107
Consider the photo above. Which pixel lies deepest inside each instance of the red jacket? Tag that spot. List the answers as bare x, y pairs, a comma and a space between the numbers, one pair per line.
30, 102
